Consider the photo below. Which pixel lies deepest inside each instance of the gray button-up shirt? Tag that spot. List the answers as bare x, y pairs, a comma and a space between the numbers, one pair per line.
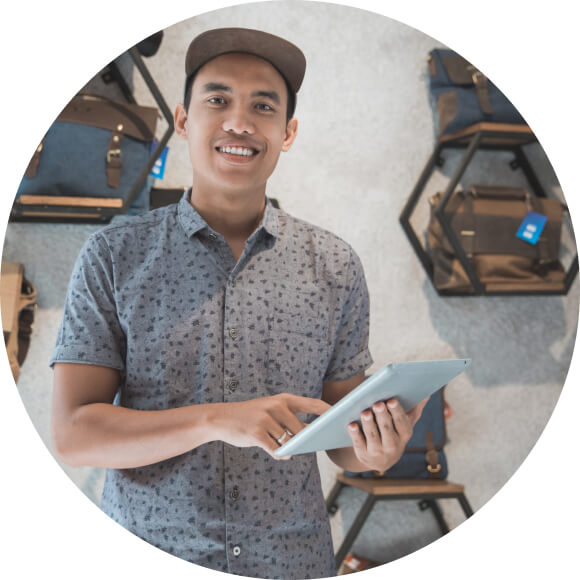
160, 298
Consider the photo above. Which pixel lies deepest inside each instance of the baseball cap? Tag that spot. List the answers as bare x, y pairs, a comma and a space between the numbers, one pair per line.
287, 58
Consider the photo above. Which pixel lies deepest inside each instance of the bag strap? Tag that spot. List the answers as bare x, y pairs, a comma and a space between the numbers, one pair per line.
482, 90
432, 458
462, 73
114, 157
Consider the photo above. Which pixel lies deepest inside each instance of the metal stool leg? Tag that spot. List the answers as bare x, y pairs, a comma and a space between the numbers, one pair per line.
360, 519
465, 505
331, 506
436, 509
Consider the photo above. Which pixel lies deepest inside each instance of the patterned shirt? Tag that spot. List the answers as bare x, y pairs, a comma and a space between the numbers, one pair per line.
161, 298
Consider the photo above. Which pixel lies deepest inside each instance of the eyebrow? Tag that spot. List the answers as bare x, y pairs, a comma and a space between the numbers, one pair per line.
272, 95
209, 87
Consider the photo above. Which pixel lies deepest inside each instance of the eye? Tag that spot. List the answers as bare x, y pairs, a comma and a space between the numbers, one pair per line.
216, 100
265, 107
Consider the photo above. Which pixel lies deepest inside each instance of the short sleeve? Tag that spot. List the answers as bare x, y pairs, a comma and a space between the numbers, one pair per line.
90, 331
351, 354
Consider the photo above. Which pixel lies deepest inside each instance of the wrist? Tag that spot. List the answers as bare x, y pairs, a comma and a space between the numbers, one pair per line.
214, 421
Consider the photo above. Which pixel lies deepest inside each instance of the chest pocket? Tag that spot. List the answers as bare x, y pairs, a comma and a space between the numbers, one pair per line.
299, 310
299, 350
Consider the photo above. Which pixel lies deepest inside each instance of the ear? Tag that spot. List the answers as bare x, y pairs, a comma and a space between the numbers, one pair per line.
180, 121
291, 132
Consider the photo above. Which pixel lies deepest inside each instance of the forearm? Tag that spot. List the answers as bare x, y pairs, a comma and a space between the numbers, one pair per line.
105, 435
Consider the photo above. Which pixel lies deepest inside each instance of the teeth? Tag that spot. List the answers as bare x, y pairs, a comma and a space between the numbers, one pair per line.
237, 151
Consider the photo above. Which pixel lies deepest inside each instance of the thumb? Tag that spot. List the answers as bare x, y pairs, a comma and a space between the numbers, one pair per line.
415, 413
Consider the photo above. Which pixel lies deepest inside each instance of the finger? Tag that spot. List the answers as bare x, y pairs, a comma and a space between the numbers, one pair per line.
308, 405
358, 441
384, 422
371, 432
272, 430
288, 420
268, 441
284, 438
270, 447
401, 421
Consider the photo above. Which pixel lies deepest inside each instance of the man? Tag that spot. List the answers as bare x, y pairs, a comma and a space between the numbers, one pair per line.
219, 322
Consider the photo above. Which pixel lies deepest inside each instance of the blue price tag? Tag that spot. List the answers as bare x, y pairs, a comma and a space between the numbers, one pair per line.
531, 228
158, 170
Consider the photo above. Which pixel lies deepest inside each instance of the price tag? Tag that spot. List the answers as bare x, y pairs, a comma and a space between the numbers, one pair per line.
531, 228
158, 170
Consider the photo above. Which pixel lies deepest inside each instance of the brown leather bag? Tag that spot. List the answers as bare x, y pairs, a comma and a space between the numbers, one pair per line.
18, 302
485, 221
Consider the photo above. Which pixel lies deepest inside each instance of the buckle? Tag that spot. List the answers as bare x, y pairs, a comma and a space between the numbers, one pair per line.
113, 153
477, 77
435, 469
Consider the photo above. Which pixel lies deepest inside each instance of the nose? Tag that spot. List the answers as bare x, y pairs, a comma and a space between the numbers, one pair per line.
238, 121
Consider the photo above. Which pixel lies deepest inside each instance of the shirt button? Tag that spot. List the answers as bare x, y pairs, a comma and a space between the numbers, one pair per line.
212, 237
234, 333
233, 385
237, 550
235, 493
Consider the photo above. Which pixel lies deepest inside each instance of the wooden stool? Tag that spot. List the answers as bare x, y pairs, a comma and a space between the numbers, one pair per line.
380, 489
481, 136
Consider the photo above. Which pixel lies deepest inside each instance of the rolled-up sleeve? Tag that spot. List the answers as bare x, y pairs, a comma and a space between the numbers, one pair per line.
351, 353
90, 331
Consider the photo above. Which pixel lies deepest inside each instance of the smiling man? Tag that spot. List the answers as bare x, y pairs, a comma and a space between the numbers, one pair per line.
195, 339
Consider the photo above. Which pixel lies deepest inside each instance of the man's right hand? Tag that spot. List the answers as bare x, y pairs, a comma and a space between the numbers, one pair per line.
88, 429
261, 422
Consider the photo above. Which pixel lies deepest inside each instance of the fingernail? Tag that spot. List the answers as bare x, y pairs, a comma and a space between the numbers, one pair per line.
379, 408
353, 427
392, 404
367, 416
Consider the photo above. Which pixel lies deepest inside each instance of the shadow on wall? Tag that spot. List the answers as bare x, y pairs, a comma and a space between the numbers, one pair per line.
511, 339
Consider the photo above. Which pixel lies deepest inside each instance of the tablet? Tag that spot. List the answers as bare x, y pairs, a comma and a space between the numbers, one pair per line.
408, 382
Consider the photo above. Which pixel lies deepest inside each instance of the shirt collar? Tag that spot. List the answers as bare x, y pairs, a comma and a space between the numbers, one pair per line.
193, 223
270, 221
190, 220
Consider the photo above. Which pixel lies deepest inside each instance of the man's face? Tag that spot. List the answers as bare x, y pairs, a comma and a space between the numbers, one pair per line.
236, 123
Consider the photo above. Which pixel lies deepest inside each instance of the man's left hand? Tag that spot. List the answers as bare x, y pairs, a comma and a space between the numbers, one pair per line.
386, 430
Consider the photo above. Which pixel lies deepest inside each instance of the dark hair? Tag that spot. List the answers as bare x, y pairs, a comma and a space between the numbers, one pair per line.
290, 108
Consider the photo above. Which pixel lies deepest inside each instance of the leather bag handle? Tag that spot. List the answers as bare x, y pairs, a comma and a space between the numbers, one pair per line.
495, 192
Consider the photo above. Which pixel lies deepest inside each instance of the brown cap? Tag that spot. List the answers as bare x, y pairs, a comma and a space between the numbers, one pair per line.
283, 55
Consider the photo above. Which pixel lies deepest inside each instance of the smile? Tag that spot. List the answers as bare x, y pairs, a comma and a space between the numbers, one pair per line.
243, 151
